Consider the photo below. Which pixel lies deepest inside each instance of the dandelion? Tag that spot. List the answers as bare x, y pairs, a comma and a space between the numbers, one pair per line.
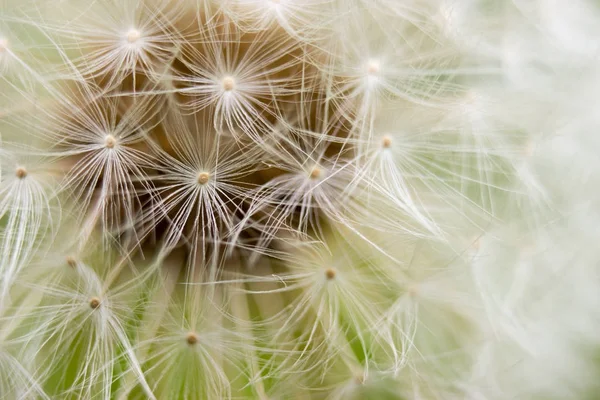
273, 199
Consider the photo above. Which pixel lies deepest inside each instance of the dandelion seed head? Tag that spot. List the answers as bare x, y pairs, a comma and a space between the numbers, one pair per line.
203, 178
94, 303
228, 83
21, 173
331, 163
110, 141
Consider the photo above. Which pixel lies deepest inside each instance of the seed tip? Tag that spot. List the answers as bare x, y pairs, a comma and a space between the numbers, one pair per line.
110, 141
228, 83
315, 173
94, 303
386, 142
133, 36
203, 178
330, 273
191, 338
21, 172
71, 261
373, 67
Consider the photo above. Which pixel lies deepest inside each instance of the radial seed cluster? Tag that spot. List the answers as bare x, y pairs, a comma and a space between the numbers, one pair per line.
299, 199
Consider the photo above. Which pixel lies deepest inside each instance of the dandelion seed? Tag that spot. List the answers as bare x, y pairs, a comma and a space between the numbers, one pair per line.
237, 75
102, 144
26, 216
314, 184
117, 40
321, 304
3, 45
97, 337
201, 187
